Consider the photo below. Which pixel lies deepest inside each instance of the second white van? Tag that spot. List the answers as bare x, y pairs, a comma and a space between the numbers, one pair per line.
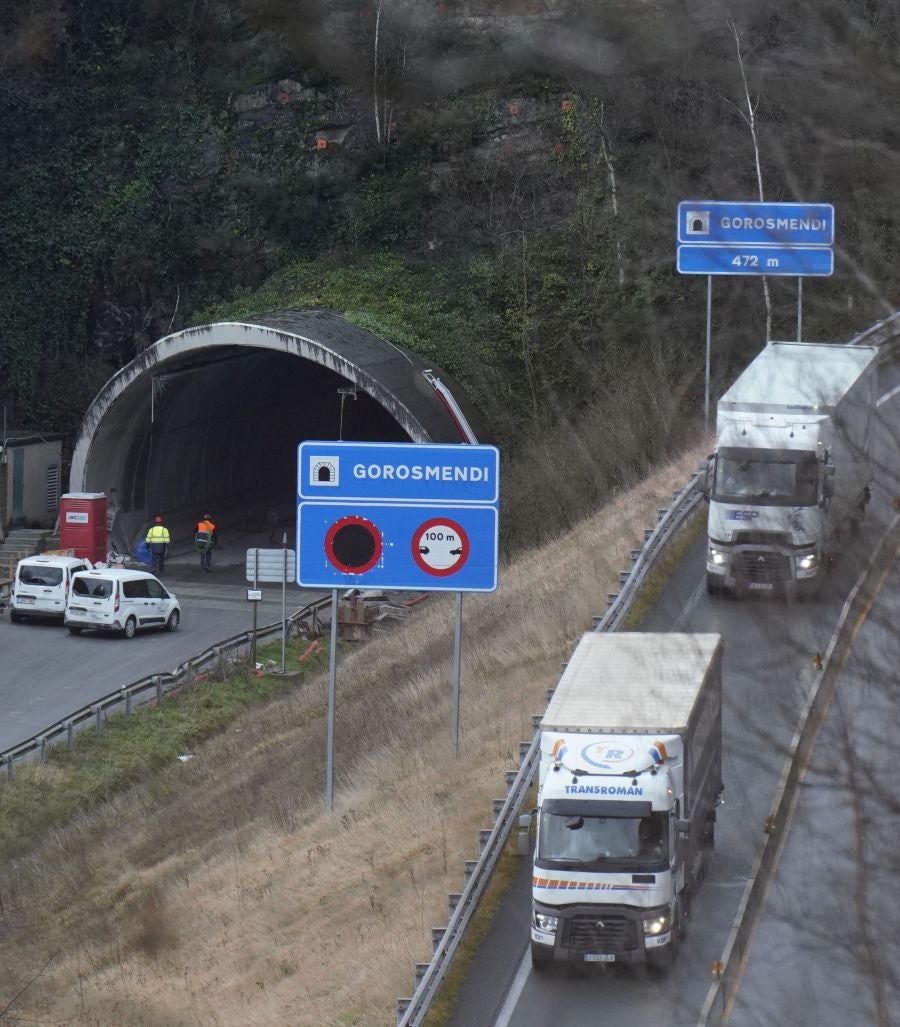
120, 600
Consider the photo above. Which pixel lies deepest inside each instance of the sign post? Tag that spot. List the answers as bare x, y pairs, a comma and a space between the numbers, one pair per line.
722, 237
404, 516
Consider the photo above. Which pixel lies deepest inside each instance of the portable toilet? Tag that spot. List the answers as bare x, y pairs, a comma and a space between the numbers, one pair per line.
82, 525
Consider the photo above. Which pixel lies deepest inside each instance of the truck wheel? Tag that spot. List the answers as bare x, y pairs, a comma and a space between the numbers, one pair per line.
540, 957
130, 628
713, 585
73, 630
15, 618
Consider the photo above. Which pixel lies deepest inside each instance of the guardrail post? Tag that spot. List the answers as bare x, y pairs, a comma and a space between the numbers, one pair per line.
157, 684
70, 730
126, 696
437, 936
623, 577
596, 618
469, 869
648, 534
660, 513
496, 809
189, 681
9, 767
536, 719
98, 713
511, 776
42, 748
484, 836
636, 555
611, 597
452, 902
403, 1005
523, 750
421, 970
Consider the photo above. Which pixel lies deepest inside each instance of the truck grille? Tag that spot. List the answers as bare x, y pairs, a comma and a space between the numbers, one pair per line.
599, 932
765, 566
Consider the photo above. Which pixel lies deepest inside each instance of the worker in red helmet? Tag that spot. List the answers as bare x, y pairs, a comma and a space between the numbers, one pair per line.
158, 540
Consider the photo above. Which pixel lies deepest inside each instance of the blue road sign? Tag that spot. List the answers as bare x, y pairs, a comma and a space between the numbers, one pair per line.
402, 472
755, 260
760, 224
398, 546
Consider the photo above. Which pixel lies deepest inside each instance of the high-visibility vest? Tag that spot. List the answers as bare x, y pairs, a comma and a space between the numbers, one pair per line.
206, 526
157, 533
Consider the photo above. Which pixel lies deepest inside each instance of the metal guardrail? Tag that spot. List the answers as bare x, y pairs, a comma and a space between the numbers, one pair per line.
411, 1012
157, 684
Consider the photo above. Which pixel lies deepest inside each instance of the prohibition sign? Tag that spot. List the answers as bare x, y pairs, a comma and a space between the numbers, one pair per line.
440, 546
353, 545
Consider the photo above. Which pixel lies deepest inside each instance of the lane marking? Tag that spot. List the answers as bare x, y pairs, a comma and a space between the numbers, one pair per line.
504, 1018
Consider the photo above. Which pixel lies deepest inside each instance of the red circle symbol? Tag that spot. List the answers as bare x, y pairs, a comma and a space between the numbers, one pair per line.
440, 547
353, 545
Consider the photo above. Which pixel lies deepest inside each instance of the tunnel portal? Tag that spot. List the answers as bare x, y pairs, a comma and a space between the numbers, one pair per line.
211, 416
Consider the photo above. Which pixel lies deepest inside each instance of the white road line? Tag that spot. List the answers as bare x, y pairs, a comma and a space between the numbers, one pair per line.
888, 395
504, 1019
688, 607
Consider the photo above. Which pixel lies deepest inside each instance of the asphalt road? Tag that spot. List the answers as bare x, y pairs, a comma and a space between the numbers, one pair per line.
47, 673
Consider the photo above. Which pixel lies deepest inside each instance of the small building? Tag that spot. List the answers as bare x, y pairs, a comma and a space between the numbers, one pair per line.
30, 469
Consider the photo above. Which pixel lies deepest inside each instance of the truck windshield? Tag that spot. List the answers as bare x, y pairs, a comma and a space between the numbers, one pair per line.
607, 843
761, 477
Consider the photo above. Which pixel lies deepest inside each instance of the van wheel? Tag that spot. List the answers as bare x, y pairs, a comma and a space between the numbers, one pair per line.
73, 630
130, 628
15, 618
173, 621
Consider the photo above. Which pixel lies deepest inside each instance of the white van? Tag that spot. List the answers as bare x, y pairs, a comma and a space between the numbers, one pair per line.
41, 586
120, 600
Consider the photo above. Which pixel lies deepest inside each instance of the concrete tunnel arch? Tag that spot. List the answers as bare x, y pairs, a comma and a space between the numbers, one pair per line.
211, 416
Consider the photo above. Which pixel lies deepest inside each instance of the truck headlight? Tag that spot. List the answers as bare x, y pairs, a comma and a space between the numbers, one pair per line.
807, 562
656, 924
717, 556
545, 922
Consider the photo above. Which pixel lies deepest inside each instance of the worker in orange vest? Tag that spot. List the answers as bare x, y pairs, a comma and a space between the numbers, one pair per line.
205, 540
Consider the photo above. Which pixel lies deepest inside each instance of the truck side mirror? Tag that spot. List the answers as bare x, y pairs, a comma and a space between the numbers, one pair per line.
683, 827
701, 482
523, 840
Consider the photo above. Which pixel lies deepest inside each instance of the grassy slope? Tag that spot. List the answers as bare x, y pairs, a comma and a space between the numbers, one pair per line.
217, 891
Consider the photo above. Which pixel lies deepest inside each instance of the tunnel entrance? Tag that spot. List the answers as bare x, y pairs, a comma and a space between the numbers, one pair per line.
212, 416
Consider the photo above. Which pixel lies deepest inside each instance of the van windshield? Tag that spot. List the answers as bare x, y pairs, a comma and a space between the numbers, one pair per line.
102, 588
38, 574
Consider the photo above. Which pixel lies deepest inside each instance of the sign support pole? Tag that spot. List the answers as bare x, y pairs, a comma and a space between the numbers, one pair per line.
708, 344
253, 635
799, 306
283, 597
457, 661
332, 675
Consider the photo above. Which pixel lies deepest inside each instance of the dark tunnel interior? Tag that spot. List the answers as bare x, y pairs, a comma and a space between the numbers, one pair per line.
222, 432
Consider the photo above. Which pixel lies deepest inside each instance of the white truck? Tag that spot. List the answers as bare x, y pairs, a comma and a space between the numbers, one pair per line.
630, 777
791, 471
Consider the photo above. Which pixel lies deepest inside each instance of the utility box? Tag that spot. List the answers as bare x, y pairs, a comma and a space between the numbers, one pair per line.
82, 525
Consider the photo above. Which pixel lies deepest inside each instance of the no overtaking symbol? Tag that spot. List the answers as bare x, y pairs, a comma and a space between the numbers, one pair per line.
440, 546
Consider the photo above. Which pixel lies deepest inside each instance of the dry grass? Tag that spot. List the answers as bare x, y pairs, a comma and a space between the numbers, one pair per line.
220, 893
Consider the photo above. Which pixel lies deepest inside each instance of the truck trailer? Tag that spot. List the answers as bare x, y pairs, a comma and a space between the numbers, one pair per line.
629, 780
791, 471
